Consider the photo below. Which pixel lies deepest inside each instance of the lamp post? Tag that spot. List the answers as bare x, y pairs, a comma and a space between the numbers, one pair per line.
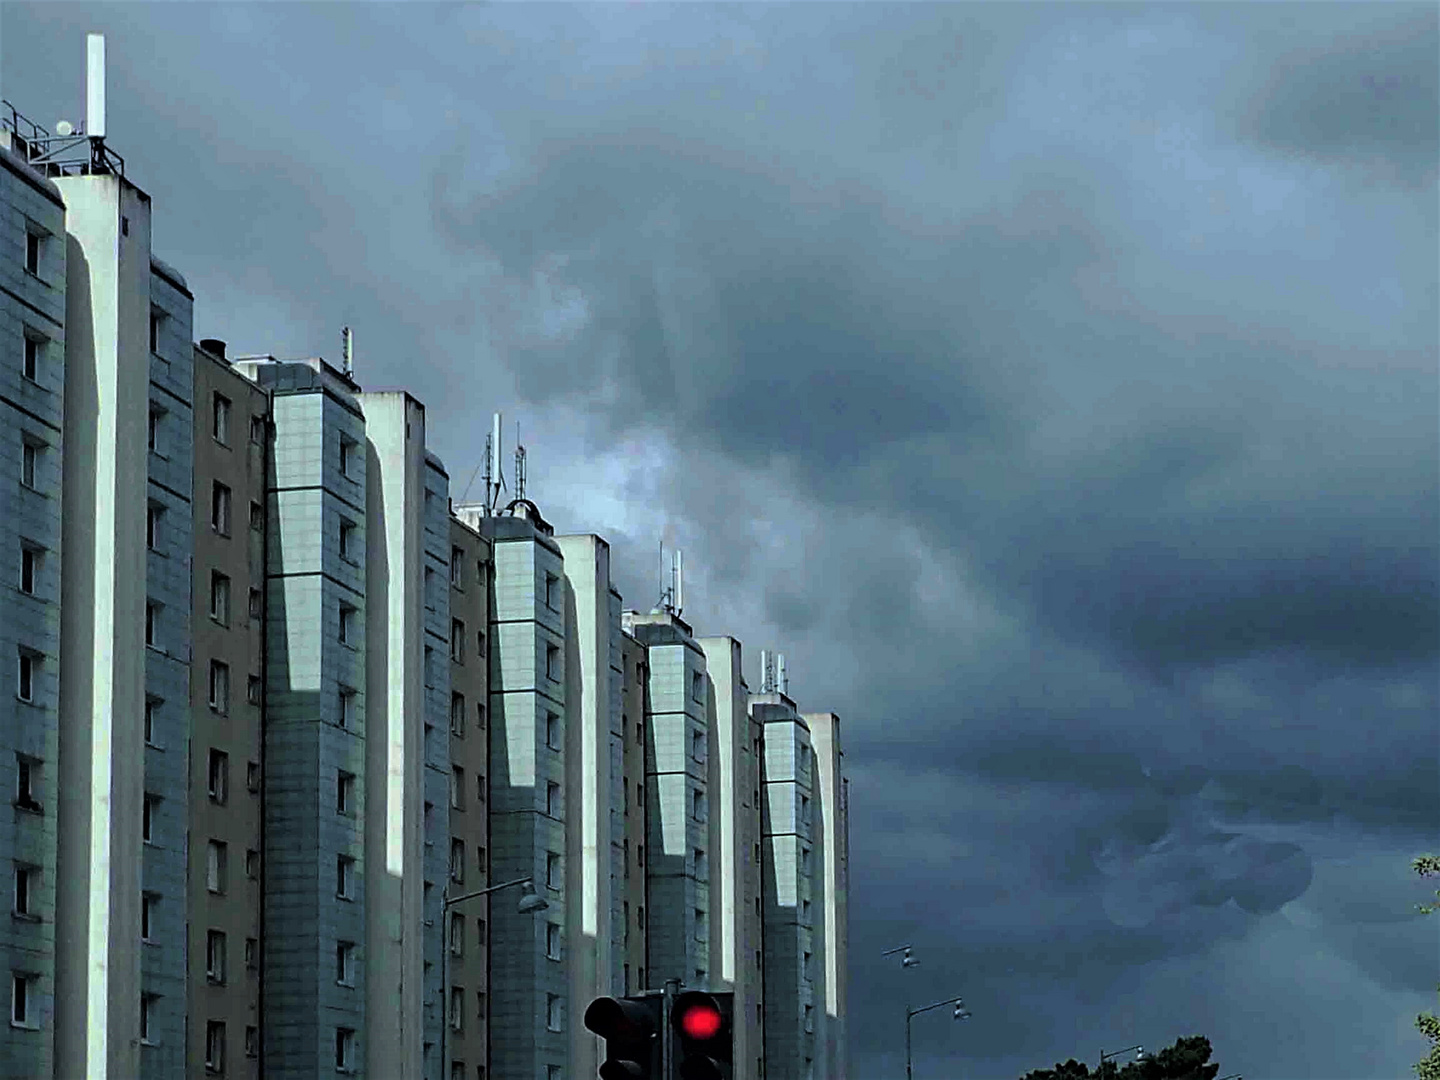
529, 903
1140, 1053
961, 1013
906, 961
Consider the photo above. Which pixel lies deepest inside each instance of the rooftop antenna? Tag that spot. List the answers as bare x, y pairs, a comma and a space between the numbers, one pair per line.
347, 351
782, 679
95, 86
767, 672
494, 477
519, 464
677, 596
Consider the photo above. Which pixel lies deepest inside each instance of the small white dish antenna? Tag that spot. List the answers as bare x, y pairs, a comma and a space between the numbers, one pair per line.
64, 127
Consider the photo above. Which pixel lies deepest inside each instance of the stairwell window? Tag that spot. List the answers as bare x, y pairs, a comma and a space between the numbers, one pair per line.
219, 687
220, 597
457, 563
29, 568
457, 1008
220, 508
552, 799
552, 1012
149, 1006
29, 463
457, 861
345, 793
552, 663
552, 590
26, 880
457, 641
215, 957
457, 714
218, 776
154, 430
347, 540
346, 713
457, 934
345, 963
149, 905
552, 870
216, 869
552, 730
31, 365
552, 941
344, 877
152, 624
349, 625
23, 1012
148, 808
27, 775
344, 1050
221, 419
457, 788
33, 242
349, 457
27, 671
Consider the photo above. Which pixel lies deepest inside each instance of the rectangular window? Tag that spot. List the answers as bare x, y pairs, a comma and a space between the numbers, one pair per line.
552, 662
153, 516
457, 861
480, 931
552, 799
25, 880
697, 745
697, 686
221, 417
457, 714
29, 569
344, 1049
152, 624
31, 367
429, 824
29, 463
697, 805
457, 934
220, 508
552, 870
25, 681
252, 864
552, 730
480, 715
429, 891
345, 877
254, 690
480, 788
805, 912
479, 642
215, 956
219, 686
551, 589
256, 602
32, 252
216, 871
640, 854
155, 318
345, 963
151, 706
700, 934
220, 598
252, 953
153, 433
252, 775
148, 808
552, 1012
552, 941
347, 540
257, 430
20, 1004
345, 793
148, 1007
257, 516
480, 859
457, 559
218, 776
252, 1041
809, 1018
805, 860
804, 809
699, 862
347, 708
347, 625
27, 776
457, 788
348, 454
457, 641
457, 1007
149, 904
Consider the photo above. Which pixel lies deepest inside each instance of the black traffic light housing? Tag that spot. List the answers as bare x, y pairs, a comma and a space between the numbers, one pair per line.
631, 1028
704, 1034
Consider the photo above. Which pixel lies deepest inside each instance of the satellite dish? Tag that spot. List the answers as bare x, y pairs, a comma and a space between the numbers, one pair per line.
64, 127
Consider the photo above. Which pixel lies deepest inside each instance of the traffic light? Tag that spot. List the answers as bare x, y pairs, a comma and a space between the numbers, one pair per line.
704, 1035
630, 1027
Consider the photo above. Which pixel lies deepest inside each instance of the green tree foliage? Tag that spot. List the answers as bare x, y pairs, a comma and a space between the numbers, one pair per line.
1186, 1060
1429, 1023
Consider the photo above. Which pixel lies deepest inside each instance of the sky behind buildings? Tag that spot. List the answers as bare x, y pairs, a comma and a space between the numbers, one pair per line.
1055, 386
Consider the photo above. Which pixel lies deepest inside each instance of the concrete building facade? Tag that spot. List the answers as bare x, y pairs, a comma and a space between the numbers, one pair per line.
830, 886
222, 903
32, 395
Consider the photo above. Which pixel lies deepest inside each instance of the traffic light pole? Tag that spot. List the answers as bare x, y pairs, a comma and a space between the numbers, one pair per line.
667, 1040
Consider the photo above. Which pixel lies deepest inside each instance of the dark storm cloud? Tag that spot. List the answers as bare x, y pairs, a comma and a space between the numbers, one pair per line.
1374, 96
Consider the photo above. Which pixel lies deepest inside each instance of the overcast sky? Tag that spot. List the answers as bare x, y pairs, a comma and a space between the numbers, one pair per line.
1055, 386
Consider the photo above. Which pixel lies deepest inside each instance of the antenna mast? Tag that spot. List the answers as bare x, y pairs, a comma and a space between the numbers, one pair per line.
95, 86
347, 351
494, 476
677, 594
519, 464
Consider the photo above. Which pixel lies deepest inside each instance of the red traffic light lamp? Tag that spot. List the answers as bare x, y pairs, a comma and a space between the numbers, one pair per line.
704, 1026
629, 1027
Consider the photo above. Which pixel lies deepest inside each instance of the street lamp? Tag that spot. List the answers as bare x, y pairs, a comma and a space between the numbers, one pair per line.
1139, 1053
906, 961
530, 902
961, 1013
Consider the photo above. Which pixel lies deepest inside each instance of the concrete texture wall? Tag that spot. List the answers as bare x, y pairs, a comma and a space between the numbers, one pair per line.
31, 304
235, 637
103, 581
631, 937
831, 890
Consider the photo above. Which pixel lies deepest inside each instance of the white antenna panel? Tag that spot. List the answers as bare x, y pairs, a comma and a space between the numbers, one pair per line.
95, 85
679, 582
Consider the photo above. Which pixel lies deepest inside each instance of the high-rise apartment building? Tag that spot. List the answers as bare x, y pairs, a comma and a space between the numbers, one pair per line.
32, 394
219, 911
282, 715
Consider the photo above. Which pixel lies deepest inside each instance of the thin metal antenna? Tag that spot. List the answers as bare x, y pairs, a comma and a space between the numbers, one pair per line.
494, 475
95, 86
488, 463
347, 351
767, 672
519, 464
782, 679
664, 592
679, 595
